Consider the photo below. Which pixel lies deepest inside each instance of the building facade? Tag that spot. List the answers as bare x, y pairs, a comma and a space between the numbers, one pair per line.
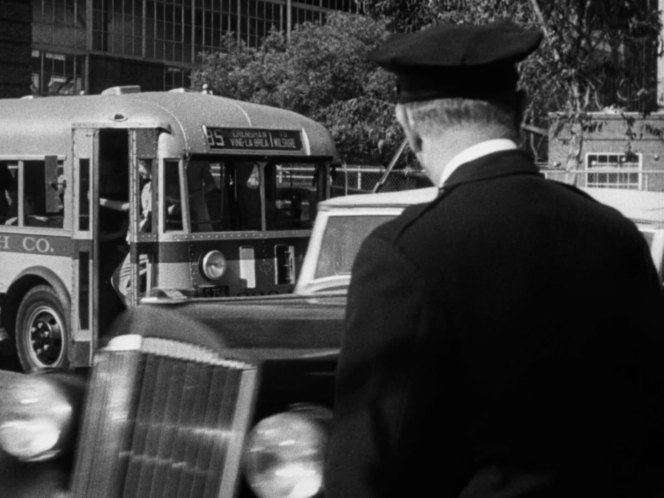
619, 150
88, 45
15, 45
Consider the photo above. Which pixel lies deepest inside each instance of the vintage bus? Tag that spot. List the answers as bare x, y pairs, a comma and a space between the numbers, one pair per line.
126, 197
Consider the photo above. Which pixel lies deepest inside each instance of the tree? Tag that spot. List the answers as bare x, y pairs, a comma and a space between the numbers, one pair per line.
597, 54
322, 73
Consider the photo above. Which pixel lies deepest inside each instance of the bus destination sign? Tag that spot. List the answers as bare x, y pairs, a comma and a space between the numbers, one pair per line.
253, 139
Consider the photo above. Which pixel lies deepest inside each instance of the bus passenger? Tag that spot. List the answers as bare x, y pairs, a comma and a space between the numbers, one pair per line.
113, 248
6, 188
30, 218
120, 279
144, 170
60, 186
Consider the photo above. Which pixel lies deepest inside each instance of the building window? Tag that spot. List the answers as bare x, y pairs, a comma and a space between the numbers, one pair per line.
211, 21
118, 27
171, 31
56, 74
262, 17
175, 77
59, 24
614, 170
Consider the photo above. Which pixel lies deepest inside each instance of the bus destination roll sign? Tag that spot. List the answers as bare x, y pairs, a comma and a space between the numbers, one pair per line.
253, 138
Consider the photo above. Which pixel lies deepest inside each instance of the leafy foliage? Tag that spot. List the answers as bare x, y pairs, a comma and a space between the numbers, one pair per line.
322, 72
597, 54
593, 57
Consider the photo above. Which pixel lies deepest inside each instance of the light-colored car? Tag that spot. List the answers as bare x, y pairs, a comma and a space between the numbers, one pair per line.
342, 224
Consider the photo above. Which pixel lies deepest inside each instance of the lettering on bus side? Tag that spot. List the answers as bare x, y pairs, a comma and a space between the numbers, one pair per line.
40, 245
32, 244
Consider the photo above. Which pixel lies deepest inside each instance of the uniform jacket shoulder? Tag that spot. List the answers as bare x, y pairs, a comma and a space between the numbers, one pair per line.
393, 229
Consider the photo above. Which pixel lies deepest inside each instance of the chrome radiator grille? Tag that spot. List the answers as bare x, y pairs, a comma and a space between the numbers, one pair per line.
168, 419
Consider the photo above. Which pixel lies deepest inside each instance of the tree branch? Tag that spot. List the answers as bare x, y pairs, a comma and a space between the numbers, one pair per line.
547, 34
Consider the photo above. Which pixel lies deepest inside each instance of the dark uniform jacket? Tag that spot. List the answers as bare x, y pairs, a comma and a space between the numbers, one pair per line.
504, 340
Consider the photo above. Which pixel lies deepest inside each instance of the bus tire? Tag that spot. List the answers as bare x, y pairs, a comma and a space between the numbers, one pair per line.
41, 332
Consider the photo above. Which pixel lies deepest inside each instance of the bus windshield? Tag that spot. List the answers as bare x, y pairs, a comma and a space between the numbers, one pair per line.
244, 194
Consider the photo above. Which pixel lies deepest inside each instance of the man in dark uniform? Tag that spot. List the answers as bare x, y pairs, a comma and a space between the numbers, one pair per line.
506, 339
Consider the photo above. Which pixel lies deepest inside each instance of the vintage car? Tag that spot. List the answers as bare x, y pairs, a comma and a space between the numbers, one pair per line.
230, 398
341, 225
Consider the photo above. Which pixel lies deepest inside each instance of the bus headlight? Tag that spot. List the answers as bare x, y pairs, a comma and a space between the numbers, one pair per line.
36, 418
285, 453
213, 265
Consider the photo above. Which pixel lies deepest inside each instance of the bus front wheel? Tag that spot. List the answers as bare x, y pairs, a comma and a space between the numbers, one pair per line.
41, 330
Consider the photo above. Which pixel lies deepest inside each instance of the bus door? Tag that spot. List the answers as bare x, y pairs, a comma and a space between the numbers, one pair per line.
84, 296
144, 186
100, 172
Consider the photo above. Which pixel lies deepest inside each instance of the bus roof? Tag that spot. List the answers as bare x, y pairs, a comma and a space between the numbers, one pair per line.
42, 126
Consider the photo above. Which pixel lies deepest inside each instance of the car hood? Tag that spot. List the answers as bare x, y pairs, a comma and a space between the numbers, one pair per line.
267, 327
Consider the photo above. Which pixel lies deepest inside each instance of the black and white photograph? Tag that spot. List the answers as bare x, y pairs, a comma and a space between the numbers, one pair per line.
331, 248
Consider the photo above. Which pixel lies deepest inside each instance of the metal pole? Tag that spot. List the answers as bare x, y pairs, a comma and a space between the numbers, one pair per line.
660, 62
390, 166
238, 22
289, 19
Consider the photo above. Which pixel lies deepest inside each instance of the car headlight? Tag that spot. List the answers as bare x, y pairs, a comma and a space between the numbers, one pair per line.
213, 265
285, 452
36, 418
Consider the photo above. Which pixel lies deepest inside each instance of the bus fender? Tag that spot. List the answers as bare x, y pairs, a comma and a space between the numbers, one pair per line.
26, 280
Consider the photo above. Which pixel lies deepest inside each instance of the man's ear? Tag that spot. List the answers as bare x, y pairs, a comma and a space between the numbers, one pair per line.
414, 139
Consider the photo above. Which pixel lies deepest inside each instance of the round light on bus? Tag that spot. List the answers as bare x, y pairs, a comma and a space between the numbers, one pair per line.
213, 265
285, 453
36, 419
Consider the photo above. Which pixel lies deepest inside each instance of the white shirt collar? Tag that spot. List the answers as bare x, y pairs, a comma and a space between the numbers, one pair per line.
474, 152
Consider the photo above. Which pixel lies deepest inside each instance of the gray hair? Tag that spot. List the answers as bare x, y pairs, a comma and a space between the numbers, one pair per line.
428, 117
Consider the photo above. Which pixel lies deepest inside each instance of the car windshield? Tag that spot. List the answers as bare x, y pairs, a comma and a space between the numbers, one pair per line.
341, 240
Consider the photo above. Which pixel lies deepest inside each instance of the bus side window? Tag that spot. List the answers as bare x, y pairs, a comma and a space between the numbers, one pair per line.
41, 206
213, 178
290, 193
201, 186
8, 186
172, 205
247, 188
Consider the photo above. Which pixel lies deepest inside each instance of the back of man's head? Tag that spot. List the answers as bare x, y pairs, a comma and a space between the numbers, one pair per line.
458, 81
494, 118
